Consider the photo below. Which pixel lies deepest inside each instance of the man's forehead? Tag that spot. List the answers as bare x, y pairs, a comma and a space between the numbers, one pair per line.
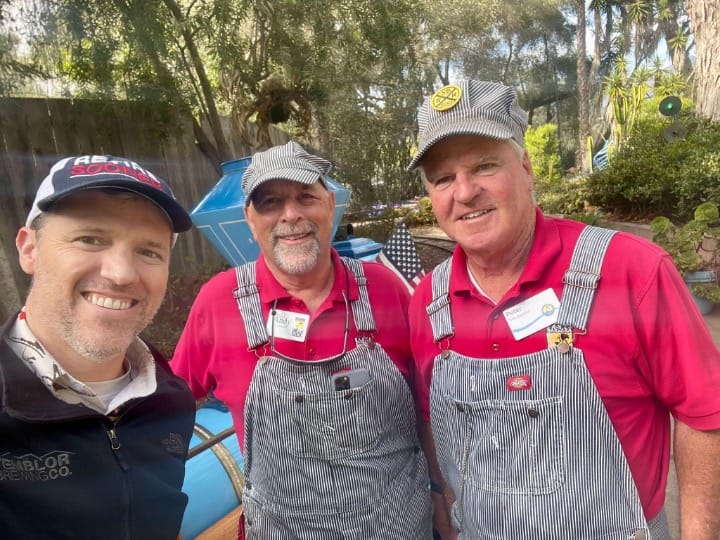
93, 204
461, 145
280, 186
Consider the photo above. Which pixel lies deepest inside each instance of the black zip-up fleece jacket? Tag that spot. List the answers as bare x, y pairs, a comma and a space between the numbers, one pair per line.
67, 471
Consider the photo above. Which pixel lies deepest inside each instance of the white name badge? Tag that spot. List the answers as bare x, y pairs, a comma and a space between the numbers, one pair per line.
288, 325
532, 314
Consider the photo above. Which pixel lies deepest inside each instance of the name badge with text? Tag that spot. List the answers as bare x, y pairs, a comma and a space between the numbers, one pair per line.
288, 325
532, 314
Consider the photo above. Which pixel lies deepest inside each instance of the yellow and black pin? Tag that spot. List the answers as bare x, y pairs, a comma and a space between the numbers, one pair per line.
446, 98
560, 336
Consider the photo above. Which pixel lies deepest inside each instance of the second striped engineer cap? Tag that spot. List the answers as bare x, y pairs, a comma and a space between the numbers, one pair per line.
487, 109
287, 162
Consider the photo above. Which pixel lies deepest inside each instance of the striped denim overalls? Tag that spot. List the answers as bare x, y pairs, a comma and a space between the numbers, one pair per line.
544, 461
324, 464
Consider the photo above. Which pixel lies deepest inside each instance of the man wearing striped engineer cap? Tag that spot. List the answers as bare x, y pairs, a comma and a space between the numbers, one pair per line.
551, 355
310, 352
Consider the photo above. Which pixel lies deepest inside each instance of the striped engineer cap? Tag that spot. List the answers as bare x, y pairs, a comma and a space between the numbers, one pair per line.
286, 162
469, 107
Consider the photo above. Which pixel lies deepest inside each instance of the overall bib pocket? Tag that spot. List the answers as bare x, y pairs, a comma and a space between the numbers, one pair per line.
511, 447
334, 425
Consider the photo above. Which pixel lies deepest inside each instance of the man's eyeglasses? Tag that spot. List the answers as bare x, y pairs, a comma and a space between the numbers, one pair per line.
275, 352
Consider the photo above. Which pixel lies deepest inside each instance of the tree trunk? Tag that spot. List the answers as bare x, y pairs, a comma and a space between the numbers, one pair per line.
582, 88
705, 21
207, 96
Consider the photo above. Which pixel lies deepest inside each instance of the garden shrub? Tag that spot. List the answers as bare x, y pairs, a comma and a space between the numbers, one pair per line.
562, 196
651, 176
554, 194
542, 145
379, 229
422, 214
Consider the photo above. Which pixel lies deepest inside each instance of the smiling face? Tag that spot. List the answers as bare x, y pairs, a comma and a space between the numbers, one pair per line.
292, 223
100, 266
481, 193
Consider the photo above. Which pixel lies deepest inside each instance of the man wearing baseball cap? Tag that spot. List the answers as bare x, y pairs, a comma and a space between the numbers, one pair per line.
551, 355
310, 353
94, 426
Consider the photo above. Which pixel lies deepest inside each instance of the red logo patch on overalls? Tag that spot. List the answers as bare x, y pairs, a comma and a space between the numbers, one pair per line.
518, 382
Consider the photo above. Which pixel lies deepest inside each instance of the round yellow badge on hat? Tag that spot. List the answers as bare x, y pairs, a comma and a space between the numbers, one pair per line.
446, 98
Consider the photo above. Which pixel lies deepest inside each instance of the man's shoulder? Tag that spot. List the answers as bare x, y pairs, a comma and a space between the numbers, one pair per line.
569, 228
624, 243
628, 256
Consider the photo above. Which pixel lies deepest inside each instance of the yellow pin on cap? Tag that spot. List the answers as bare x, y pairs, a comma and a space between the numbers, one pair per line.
446, 98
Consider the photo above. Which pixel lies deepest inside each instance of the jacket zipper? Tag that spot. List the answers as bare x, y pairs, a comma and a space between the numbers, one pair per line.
114, 441
115, 445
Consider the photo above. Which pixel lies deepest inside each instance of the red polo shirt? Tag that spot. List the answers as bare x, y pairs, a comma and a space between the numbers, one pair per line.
647, 347
212, 353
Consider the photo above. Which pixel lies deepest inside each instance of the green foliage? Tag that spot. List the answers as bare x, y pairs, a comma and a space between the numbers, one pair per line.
14, 72
589, 218
635, 97
542, 145
709, 291
554, 194
378, 229
562, 196
693, 246
347, 76
526, 44
381, 227
651, 176
626, 94
342, 77
422, 214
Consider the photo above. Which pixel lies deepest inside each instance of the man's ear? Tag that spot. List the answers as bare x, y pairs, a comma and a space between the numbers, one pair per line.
26, 244
249, 221
527, 166
332, 206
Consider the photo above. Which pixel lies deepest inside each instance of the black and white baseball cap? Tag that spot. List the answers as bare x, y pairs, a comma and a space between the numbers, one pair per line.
79, 173
487, 109
287, 162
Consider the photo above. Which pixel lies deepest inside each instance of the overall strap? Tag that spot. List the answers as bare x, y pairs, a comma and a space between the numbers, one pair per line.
439, 308
362, 312
581, 279
247, 296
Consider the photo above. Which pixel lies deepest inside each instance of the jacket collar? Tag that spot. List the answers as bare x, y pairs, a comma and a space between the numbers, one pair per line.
25, 397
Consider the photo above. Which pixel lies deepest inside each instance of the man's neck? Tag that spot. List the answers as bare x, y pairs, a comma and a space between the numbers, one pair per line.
312, 287
497, 273
78, 366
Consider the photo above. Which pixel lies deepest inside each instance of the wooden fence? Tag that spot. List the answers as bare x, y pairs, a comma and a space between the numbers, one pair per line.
35, 133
